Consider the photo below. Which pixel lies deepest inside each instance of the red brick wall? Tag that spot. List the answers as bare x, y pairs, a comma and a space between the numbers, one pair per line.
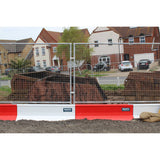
139, 48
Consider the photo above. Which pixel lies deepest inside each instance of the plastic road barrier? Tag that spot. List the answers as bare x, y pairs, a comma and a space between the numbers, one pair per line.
104, 111
56, 112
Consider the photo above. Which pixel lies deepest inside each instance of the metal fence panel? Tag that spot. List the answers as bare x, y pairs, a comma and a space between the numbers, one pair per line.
118, 72
35, 73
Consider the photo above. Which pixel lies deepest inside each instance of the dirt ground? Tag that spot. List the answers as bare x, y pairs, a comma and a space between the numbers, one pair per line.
79, 126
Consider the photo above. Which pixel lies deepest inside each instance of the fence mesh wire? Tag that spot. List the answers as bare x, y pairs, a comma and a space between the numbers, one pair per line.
120, 73
35, 73
99, 73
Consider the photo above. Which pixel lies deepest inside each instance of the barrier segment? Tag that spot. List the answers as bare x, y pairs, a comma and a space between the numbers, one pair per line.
139, 108
8, 112
48, 112
104, 111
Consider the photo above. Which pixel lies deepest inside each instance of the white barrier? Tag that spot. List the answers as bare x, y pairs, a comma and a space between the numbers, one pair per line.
48, 112
139, 108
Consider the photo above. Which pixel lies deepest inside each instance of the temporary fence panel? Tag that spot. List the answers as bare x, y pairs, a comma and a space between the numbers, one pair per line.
117, 72
36, 73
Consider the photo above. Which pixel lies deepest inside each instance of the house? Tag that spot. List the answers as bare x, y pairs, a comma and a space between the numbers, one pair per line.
114, 53
14, 50
142, 35
45, 54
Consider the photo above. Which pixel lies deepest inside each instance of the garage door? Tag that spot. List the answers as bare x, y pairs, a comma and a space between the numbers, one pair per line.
138, 57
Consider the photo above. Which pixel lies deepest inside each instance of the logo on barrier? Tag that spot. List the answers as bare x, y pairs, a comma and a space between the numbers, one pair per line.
67, 109
125, 109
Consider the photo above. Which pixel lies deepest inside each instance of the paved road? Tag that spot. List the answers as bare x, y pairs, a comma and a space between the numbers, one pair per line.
101, 80
111, 80
5, 83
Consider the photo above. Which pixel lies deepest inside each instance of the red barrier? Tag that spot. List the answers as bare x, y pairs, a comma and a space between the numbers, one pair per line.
104, 111
8, 112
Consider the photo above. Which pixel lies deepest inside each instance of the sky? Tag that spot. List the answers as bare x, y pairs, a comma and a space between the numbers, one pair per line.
17, 33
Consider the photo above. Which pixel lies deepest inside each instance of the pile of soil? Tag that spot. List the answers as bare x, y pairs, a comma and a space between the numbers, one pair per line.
79, 126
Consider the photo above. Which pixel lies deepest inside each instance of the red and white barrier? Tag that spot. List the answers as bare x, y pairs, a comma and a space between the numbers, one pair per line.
56, 112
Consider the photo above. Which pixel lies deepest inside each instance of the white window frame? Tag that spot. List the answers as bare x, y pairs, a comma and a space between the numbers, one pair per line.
37, 51
43, 51
104, 59
38, 63
54, 49
96, 45
109, 41
44, 64
142, 40
131, 40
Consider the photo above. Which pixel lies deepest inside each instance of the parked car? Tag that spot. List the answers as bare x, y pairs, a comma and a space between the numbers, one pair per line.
125, 66
101, 66
143, 64
38, 69
53, 69
34, 69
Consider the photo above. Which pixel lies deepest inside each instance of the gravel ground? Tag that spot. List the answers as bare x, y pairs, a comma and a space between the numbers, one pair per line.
79, 126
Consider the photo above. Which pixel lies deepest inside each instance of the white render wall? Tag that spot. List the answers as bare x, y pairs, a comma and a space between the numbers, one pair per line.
41, 57
102, 37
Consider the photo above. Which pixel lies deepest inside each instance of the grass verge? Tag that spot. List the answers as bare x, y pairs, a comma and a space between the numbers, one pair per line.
112, 87
5, 91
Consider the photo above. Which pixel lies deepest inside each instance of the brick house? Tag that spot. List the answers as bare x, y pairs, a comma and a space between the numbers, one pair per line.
135, 52
45, 55
9, 52
132, 52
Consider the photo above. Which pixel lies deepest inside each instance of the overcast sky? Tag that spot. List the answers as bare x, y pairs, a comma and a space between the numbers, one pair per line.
16, 33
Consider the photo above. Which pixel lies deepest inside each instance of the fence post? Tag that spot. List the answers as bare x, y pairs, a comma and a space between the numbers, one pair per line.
0, 78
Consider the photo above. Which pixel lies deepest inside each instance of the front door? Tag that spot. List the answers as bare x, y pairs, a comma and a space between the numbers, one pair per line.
56, 62
126, 57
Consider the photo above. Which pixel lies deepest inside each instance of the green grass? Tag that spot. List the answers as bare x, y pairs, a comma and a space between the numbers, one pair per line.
112, 87
4, 91
5, 78
98, 75
90, 73
5, 88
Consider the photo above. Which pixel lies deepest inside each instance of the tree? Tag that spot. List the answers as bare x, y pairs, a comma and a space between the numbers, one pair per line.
20, 63
74, 35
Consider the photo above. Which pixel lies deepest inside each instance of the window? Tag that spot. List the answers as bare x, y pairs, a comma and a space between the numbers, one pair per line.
105, 59
38, 63
43, 51
131, 39
109, 41
54, 49
142, 39
37, 51
126, 57
19, 54
44, 64
96, 45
